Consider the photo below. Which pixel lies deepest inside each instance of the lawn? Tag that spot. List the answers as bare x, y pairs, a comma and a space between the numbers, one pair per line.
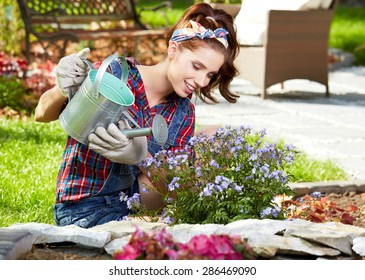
30, 155
348, 31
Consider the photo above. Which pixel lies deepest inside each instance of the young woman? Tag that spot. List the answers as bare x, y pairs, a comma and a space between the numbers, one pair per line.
201, 49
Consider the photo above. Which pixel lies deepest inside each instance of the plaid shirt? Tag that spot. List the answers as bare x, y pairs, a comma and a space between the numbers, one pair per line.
83, 171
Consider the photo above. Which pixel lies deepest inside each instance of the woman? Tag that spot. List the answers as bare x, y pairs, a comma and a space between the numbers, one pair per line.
201, 49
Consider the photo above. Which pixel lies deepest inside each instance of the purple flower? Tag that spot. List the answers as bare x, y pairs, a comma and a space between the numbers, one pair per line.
133, 201
174, 185
237, 188
316, 194
168, 220
270, 211
198, 171
214, 163
265, 212
122, 196
208, 190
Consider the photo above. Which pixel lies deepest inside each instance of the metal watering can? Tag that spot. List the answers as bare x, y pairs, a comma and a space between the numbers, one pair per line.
101, 99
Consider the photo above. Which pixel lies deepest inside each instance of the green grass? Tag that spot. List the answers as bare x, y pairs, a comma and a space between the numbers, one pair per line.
30, 155
348, 31
156, 19
309, 169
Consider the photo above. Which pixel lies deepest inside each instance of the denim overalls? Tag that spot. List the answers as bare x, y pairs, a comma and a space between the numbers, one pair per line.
106, 206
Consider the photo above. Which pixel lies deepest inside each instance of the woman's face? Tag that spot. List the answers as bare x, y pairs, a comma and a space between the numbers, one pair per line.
191, 70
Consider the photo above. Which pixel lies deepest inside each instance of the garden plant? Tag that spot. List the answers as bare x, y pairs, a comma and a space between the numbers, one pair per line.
161, 246
229, 176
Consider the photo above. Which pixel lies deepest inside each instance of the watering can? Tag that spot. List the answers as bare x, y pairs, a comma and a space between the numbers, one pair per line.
102, 99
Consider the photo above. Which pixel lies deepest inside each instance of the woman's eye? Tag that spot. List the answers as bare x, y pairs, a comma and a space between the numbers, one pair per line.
196, 67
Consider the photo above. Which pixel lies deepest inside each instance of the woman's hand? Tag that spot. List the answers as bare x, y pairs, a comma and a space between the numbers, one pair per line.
71, 71
117, 147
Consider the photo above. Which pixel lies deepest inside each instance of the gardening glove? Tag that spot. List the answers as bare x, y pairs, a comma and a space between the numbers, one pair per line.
71, 71
114, 145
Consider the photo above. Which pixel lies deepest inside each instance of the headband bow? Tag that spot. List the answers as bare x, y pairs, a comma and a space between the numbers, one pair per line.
198, 31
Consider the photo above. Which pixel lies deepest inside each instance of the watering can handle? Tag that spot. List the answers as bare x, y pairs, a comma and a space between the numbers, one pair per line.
100, 73
102, 69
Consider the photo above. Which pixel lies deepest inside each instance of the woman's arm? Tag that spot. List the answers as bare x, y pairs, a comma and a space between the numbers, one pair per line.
150, 193
49, 105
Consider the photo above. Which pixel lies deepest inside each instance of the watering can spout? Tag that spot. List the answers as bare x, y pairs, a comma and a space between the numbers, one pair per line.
159, 130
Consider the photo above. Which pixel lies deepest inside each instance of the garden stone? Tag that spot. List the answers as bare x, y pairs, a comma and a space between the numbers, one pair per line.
324, 187
253, 226
117, 244
180, 233
288, 246
330, 227
184, 232
265, 252
45, 233
359, 246
14, 243
339, 241
361, 187
122, 228
299, 189
206, 229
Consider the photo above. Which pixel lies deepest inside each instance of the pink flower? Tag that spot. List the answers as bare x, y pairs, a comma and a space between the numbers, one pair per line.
161, 246
129, 252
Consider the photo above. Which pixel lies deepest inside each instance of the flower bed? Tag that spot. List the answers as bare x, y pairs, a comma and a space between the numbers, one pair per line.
22, 84
161, 246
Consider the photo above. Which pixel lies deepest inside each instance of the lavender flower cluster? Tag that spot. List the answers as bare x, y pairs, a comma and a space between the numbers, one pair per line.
231, 175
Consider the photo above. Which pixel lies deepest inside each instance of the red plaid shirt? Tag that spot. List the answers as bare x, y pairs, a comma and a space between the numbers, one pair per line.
83, 171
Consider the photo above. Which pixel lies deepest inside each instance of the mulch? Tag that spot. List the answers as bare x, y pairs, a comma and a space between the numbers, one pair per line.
351, 199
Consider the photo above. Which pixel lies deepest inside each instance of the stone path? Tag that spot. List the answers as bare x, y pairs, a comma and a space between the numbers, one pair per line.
326, 128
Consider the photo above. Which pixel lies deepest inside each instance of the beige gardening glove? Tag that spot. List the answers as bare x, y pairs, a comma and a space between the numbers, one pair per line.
71, 71
115, 146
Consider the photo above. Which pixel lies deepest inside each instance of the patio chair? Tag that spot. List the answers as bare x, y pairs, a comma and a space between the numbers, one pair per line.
295, 46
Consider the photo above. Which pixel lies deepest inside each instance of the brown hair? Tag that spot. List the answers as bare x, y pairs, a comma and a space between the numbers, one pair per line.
199, 13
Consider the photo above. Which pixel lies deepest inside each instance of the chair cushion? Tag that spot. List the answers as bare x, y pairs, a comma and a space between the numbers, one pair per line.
311, 5
251, 21
326, 4
252, 33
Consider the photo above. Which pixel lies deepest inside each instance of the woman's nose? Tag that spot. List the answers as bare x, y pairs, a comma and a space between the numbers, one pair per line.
201, 80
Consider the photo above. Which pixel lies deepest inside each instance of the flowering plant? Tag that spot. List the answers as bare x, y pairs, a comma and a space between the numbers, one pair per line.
23, 84
161, 246
229, 176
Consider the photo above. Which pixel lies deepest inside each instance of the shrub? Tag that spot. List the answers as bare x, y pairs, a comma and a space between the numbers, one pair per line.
23, 84
229, 176
12, 93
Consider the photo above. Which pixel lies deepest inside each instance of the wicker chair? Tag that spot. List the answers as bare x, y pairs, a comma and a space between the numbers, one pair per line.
295, 47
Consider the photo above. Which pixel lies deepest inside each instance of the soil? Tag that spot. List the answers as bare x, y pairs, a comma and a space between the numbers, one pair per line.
349, 199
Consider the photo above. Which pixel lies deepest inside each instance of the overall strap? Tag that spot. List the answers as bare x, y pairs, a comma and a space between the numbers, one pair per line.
177, 120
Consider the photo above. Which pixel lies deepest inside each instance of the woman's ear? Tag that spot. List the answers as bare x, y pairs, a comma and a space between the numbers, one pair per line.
172, 49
